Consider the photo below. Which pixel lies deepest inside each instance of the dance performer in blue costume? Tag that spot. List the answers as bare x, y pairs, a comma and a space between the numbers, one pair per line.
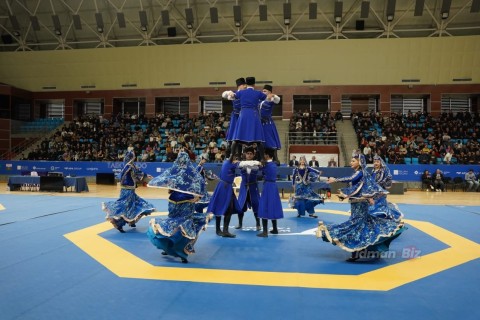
207, 175
224, 202
248, 196
382, 208
249, 128
305, 199
272, 140
241, 84
177, 234
270, 207
363, 233
129, 208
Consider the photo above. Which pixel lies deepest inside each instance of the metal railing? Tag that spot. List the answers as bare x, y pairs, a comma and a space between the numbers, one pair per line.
312, 138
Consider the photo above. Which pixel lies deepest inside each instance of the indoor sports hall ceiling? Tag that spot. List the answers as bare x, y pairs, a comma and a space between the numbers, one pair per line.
27, 25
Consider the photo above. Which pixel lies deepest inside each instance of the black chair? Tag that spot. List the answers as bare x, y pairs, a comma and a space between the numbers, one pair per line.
458, 183
448, 183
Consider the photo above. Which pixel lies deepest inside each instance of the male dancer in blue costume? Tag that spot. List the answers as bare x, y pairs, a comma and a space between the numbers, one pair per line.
272, 140
223, 201
249, 195
270, 207
249, 128
241, 84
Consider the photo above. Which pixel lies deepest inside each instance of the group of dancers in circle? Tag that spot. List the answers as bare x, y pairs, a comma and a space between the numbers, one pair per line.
373, 224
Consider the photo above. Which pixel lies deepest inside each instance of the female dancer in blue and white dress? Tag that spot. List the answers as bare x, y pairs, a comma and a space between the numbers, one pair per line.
224, 202
177, 234
383, 208
305, 199
362, 232
205, 199
272, 140
270, 207
129, 208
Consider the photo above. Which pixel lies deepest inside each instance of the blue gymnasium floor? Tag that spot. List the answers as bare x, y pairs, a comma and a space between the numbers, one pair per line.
60, 260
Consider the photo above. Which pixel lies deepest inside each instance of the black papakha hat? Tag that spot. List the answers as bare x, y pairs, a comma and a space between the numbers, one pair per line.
268, 87
240, 81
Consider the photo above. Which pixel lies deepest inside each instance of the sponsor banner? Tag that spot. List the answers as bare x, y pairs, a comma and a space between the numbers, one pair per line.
91, 168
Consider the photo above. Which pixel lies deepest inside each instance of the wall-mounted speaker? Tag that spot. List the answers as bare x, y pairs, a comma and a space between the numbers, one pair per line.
359, 25
262, 12
172, 32
213, 15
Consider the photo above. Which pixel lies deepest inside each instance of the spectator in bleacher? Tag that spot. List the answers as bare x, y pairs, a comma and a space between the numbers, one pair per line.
424, 158
447, 159
438, 180
471, 181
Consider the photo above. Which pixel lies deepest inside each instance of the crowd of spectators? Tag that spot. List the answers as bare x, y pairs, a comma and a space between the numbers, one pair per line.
399, 138
312, 128
419, 138
95, 138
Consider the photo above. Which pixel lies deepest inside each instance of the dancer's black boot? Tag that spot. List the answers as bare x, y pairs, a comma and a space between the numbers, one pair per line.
240, 221
274, 230
218, 221
264, 232
257, 221
226, 222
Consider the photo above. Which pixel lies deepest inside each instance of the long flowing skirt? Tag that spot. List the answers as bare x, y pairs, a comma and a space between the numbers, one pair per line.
272, 140
306, 199
176, 236
270, 206
248, 127
129, 208
221, 199
361, 231
384, 209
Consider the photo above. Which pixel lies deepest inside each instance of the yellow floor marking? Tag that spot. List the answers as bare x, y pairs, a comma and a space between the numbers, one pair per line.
124, 264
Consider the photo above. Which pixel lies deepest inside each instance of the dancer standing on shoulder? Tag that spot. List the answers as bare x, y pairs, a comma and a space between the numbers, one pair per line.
241, 84
305, 199
272, 140
363, 234
248, 129
129, 208
177, 234
270, 207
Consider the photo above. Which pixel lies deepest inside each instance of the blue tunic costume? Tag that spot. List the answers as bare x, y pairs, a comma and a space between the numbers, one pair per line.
305, 198
233, 119
177, 234
248, 196
362, 231
270, 204
223, 194
129, 208
249, 128
272, 140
